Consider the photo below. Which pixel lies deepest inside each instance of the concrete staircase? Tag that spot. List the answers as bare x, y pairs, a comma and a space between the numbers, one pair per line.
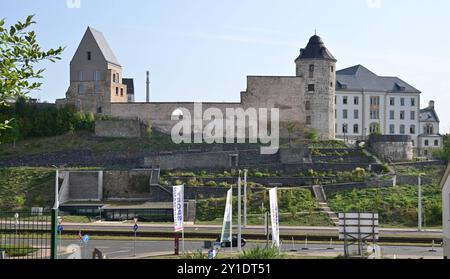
320, 195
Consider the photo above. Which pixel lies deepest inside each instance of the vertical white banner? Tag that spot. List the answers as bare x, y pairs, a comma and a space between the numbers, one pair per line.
178, 207
227, 218
273, 196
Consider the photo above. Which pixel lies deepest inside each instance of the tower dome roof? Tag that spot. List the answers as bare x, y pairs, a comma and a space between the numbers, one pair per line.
316, 50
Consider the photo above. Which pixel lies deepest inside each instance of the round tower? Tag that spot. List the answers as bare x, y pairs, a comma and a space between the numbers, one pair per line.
317, 66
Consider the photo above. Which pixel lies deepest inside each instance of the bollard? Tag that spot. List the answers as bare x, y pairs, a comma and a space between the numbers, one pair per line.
306, 244
293, 246
331, 245
2, 255
433, 250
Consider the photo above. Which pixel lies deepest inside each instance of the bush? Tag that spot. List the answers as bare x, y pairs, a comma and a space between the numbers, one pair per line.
211, 184
197, 255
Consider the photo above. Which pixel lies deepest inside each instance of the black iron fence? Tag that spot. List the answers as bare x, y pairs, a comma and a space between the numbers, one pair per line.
25, 235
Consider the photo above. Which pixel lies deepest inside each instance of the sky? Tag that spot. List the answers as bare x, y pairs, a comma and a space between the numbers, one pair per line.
202, 50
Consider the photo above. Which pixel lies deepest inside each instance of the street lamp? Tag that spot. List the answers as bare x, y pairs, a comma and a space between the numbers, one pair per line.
56, 206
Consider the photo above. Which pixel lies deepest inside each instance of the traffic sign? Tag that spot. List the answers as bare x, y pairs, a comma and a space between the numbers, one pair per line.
86, 238
60, 228
135, 227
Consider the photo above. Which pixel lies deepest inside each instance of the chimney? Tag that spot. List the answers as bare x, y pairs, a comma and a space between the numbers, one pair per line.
148, 87
431, 104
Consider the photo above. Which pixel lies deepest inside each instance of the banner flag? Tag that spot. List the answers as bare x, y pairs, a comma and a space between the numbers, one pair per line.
227, 219
273, 196
178, 207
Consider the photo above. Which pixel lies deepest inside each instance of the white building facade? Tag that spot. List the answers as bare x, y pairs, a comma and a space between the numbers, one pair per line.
367, 103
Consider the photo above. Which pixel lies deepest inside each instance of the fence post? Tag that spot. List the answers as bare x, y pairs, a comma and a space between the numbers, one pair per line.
54, 231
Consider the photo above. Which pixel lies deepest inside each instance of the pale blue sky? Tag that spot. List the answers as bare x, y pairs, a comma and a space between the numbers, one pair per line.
202, 50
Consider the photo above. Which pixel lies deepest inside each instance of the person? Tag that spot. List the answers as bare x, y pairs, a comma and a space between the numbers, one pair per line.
80, 237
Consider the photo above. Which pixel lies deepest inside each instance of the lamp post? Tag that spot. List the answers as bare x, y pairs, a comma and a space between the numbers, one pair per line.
420, 203
245, 198
54, 220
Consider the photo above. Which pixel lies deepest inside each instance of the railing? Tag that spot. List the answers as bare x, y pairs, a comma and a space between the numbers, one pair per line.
25, 235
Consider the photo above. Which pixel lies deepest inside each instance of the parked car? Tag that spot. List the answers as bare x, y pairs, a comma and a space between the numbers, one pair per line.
226, 244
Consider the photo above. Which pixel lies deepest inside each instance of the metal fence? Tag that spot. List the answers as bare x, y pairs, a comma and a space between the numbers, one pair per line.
25, 235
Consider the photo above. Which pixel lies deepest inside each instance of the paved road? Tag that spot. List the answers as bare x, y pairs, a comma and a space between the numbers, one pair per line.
125, 249
289, 231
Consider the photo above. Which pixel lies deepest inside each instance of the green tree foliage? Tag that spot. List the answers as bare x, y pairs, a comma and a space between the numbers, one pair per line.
311, 134
33, 121
444, 153
19, 55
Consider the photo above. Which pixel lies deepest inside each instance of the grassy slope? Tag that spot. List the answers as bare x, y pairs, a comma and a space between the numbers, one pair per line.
26, 187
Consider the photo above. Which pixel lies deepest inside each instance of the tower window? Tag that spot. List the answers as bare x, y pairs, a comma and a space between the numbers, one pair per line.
80, 75
311, 71
117, 91
308, 120
89, 55
308, 105
99, 110
311, 88
332, 69
121, 92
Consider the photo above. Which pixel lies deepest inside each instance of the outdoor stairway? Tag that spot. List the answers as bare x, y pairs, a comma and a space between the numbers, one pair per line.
320, 195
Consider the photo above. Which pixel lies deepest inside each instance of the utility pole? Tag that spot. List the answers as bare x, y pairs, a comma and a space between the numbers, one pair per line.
420, 203
239, 214
245, 198
148, 87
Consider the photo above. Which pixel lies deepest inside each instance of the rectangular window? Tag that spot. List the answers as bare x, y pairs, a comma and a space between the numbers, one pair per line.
117, 91
413, 115
308, 105
345, 100
412, 130
427, 143
311, 88
311, 71
375, 114
308, 120
402, 129
345, 114
392, 101
402, 115
121, 92
89, 55
356, 101
356, 114
96, 75
355, 129
392, 115
80, 75
413, 102
332, 69
402, 102
436, 143
80, 88
392, 129
374, 101
345, 129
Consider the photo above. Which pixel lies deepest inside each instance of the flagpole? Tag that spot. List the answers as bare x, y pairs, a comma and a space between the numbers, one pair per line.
182, 232
239, 248
245, 198
231, 220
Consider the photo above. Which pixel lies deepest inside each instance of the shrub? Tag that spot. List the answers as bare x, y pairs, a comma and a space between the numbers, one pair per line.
193, 182
197, 255
211, 184
178, 182
258, 174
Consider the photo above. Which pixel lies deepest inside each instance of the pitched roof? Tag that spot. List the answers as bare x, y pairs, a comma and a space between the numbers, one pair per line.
360, 78
104, 46
433, 113
316, 50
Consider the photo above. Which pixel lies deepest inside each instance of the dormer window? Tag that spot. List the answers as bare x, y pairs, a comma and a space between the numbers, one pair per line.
89, 55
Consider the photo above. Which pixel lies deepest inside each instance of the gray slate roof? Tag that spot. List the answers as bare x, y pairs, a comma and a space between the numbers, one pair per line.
104, 46
316, 50
433, 113
360, 78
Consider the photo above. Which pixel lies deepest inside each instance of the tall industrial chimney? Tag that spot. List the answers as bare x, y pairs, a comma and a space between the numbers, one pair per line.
148, 86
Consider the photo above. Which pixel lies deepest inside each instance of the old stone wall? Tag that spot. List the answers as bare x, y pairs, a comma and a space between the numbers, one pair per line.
394, 148
193, 160
119, 128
